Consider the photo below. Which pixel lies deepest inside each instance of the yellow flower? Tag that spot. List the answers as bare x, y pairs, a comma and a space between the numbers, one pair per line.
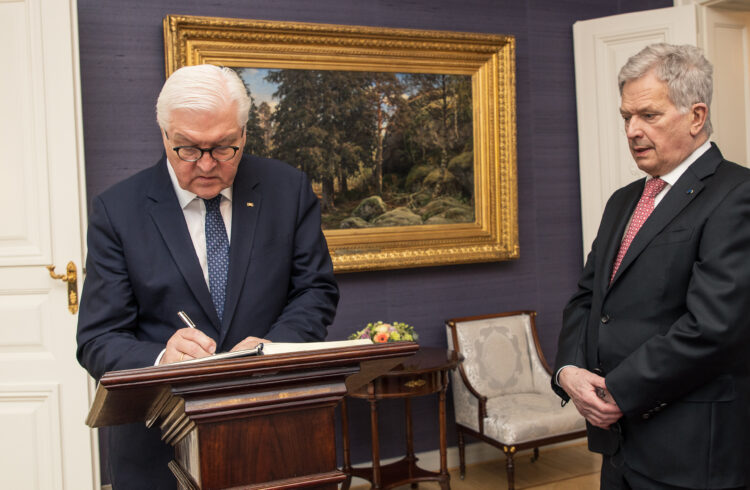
395, 336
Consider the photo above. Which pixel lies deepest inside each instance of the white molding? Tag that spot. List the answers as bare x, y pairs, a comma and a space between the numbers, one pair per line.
30, 416
25, 237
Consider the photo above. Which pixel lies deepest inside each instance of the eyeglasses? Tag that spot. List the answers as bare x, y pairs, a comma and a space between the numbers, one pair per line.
218, 153
192, 154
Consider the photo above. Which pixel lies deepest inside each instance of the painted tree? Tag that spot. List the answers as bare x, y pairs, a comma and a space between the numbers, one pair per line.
434, 125
319, 124
386, 95
265, 114
254, 141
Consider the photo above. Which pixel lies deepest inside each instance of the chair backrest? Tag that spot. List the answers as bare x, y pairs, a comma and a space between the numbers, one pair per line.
500, 353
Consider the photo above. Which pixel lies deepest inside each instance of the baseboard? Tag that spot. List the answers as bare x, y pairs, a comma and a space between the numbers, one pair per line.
478, 452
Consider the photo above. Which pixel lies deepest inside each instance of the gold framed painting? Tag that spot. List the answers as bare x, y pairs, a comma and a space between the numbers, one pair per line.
408, 136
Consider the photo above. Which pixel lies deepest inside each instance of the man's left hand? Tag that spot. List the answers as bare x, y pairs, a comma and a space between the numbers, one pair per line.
589, 394
249, 343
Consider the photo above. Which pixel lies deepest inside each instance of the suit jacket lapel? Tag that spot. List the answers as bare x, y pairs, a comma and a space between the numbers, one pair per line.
687, 187
616, 230
246, 207
170, 222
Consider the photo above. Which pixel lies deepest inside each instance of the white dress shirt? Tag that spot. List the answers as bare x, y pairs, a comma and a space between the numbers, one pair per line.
194, 210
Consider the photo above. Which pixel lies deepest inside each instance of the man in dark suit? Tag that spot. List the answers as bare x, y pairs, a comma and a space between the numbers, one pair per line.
234, 241
654, 345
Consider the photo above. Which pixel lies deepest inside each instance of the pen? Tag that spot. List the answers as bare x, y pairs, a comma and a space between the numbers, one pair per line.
186, 319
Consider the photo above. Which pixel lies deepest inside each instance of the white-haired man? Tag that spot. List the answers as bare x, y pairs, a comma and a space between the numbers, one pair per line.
234, 241
653, 349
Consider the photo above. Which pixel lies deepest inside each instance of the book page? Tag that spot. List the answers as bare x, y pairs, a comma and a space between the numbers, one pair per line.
271, 348
286, 347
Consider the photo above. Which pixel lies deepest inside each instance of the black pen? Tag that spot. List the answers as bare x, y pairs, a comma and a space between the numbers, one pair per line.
186, 319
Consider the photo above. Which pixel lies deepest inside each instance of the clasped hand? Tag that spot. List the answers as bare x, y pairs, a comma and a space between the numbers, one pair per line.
589, 394
191, 343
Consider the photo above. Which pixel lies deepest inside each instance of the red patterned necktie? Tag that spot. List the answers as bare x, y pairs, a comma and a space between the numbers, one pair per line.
642, 211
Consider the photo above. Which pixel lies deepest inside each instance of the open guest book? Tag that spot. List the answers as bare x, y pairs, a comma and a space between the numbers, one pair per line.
270, 348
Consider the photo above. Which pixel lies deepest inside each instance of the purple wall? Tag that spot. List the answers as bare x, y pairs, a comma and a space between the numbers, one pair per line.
122, 70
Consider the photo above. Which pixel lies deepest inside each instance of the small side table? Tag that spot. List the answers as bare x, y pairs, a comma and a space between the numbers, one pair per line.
424, 373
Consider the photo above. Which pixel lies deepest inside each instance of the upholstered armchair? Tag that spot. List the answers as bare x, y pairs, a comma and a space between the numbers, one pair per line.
501, 391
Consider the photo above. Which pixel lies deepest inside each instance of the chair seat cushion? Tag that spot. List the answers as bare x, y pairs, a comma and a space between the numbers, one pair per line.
524, 417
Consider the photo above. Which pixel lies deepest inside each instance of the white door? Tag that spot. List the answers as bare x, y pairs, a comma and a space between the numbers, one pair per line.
720, 27
44, 394
725, 37
601, 47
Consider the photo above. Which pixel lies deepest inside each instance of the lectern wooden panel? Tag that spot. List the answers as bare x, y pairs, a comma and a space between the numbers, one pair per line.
258, 422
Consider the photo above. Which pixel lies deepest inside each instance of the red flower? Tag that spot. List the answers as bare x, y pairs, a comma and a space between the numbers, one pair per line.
381, 338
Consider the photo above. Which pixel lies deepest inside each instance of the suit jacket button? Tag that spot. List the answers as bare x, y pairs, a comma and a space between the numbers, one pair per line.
605, 319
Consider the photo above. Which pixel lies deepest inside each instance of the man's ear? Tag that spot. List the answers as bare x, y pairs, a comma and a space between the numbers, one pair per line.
698, 116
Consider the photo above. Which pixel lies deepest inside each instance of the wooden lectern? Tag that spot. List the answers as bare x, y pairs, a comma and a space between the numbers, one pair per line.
256, 422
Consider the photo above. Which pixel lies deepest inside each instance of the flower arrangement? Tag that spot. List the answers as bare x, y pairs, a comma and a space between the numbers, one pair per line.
381, 332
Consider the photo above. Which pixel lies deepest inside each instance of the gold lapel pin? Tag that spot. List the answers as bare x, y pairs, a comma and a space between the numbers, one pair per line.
250, 204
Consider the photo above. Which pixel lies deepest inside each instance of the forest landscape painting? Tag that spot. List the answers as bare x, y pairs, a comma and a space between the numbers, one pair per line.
381, 149
408, 135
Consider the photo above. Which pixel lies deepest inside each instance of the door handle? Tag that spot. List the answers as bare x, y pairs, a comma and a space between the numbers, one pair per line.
71, 277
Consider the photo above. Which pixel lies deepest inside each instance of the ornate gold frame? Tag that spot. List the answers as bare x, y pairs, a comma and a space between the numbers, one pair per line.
489, 59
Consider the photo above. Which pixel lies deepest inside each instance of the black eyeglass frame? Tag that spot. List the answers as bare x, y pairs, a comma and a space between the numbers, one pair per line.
210, 151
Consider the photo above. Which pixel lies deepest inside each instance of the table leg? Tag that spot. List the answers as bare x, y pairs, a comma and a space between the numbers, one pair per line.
345, 439
410, 458
376, 483
445, 480
409, 430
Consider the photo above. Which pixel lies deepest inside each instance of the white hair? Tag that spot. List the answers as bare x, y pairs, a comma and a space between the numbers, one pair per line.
202, 88
687, 73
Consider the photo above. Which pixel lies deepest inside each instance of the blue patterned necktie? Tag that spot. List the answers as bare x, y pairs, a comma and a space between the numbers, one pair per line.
217, 253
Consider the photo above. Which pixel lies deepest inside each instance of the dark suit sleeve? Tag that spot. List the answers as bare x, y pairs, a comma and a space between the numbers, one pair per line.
107, 322
712, 337
571, 343
313, 294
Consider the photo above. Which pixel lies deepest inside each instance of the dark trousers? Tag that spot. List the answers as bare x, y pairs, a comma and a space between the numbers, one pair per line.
617, 476
138, 458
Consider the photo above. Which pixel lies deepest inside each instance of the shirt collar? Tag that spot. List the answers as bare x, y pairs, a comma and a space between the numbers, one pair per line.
184, 196
672, 177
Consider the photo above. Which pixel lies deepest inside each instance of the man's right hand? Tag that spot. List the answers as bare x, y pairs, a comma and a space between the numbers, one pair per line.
590, 396
187, 343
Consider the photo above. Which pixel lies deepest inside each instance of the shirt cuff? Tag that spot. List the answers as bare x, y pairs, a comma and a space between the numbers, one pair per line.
161, 354
557, 374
